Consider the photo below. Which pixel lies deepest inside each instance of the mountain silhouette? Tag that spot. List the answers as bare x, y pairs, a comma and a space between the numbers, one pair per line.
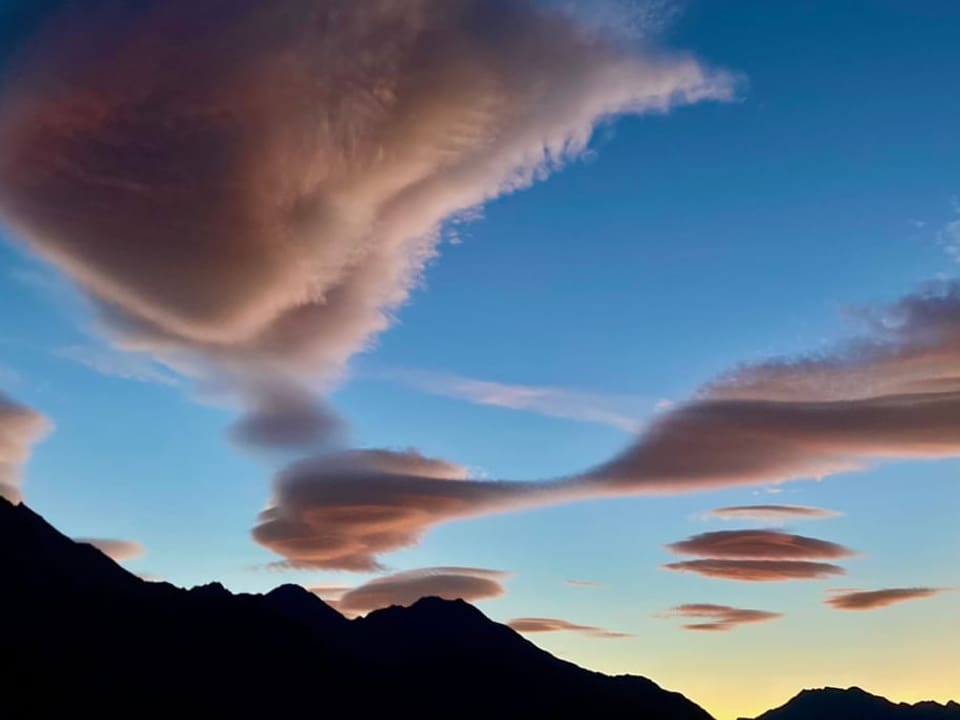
856, 704
79, 634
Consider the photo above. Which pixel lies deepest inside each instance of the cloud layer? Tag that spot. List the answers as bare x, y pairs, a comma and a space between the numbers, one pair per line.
758, 544
20, 429
771, 513
890, 394
118, 550
758, 570
873, 599
405, 588
543, 625
718, 618
258, 201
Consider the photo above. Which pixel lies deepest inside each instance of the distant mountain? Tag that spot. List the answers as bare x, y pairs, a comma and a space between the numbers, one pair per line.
80, 635
856, 704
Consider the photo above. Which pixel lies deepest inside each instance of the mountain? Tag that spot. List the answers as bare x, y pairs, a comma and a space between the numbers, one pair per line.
79, 634
856, 704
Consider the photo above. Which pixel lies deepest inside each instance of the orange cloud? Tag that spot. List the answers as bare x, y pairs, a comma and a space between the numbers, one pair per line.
405, 588
20, 429
749, 427
873, 599
759, 544
256, 203
771, 513
758, 570
719, 618
541, 625
117, 550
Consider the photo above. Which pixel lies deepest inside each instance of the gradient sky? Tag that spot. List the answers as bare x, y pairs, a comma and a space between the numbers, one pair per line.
681, 245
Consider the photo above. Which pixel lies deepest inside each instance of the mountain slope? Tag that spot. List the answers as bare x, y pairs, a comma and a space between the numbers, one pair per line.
79, 634
856, 704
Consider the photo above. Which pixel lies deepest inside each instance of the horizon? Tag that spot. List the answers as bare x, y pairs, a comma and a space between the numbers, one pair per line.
633, 323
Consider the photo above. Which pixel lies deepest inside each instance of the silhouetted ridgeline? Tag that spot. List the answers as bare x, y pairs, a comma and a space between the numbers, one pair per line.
855, 704
81, 635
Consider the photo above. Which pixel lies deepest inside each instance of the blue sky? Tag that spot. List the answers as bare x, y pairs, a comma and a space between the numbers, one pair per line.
683, 244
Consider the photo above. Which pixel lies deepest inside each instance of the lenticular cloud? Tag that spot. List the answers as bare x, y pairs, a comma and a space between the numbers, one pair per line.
259, 199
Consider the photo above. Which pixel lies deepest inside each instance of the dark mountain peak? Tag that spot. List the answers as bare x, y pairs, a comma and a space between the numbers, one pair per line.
212, 590
297, 603
106, 640
857, 703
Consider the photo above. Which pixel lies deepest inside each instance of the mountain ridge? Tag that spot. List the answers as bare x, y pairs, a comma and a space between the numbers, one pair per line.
854, 703
80, 633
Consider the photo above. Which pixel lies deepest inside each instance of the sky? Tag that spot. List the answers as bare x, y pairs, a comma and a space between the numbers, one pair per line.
507, 307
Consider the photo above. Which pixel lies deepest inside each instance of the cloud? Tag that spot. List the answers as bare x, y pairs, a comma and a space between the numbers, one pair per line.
342, 510
117, 550
758, 570
405, 588
285, 415
771, 513
759, 544
893, 394
617, 411
111, 363
873, 599
20, 429
718, 618
584, 583
541, 625
259, 201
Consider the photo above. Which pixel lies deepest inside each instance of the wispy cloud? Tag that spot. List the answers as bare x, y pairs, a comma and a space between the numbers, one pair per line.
117, 550
718, 618
106, 361
771, 513
874, 599
584, 583
624, 412
544, 625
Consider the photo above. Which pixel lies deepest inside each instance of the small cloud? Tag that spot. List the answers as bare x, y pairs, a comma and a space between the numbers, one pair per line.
873, 599
584, 583
405, 588
718, 617
543, 625
116, 550
758, 570
20, 429
138, 367
758, 544
619, 411
771, 513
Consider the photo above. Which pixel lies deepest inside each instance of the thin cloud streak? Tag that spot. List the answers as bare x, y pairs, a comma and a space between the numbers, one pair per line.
757, 570
545, 625
875, 599
771, 513
623, 413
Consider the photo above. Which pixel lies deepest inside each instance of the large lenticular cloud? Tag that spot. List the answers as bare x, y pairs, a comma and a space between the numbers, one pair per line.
893, 394
256, 185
